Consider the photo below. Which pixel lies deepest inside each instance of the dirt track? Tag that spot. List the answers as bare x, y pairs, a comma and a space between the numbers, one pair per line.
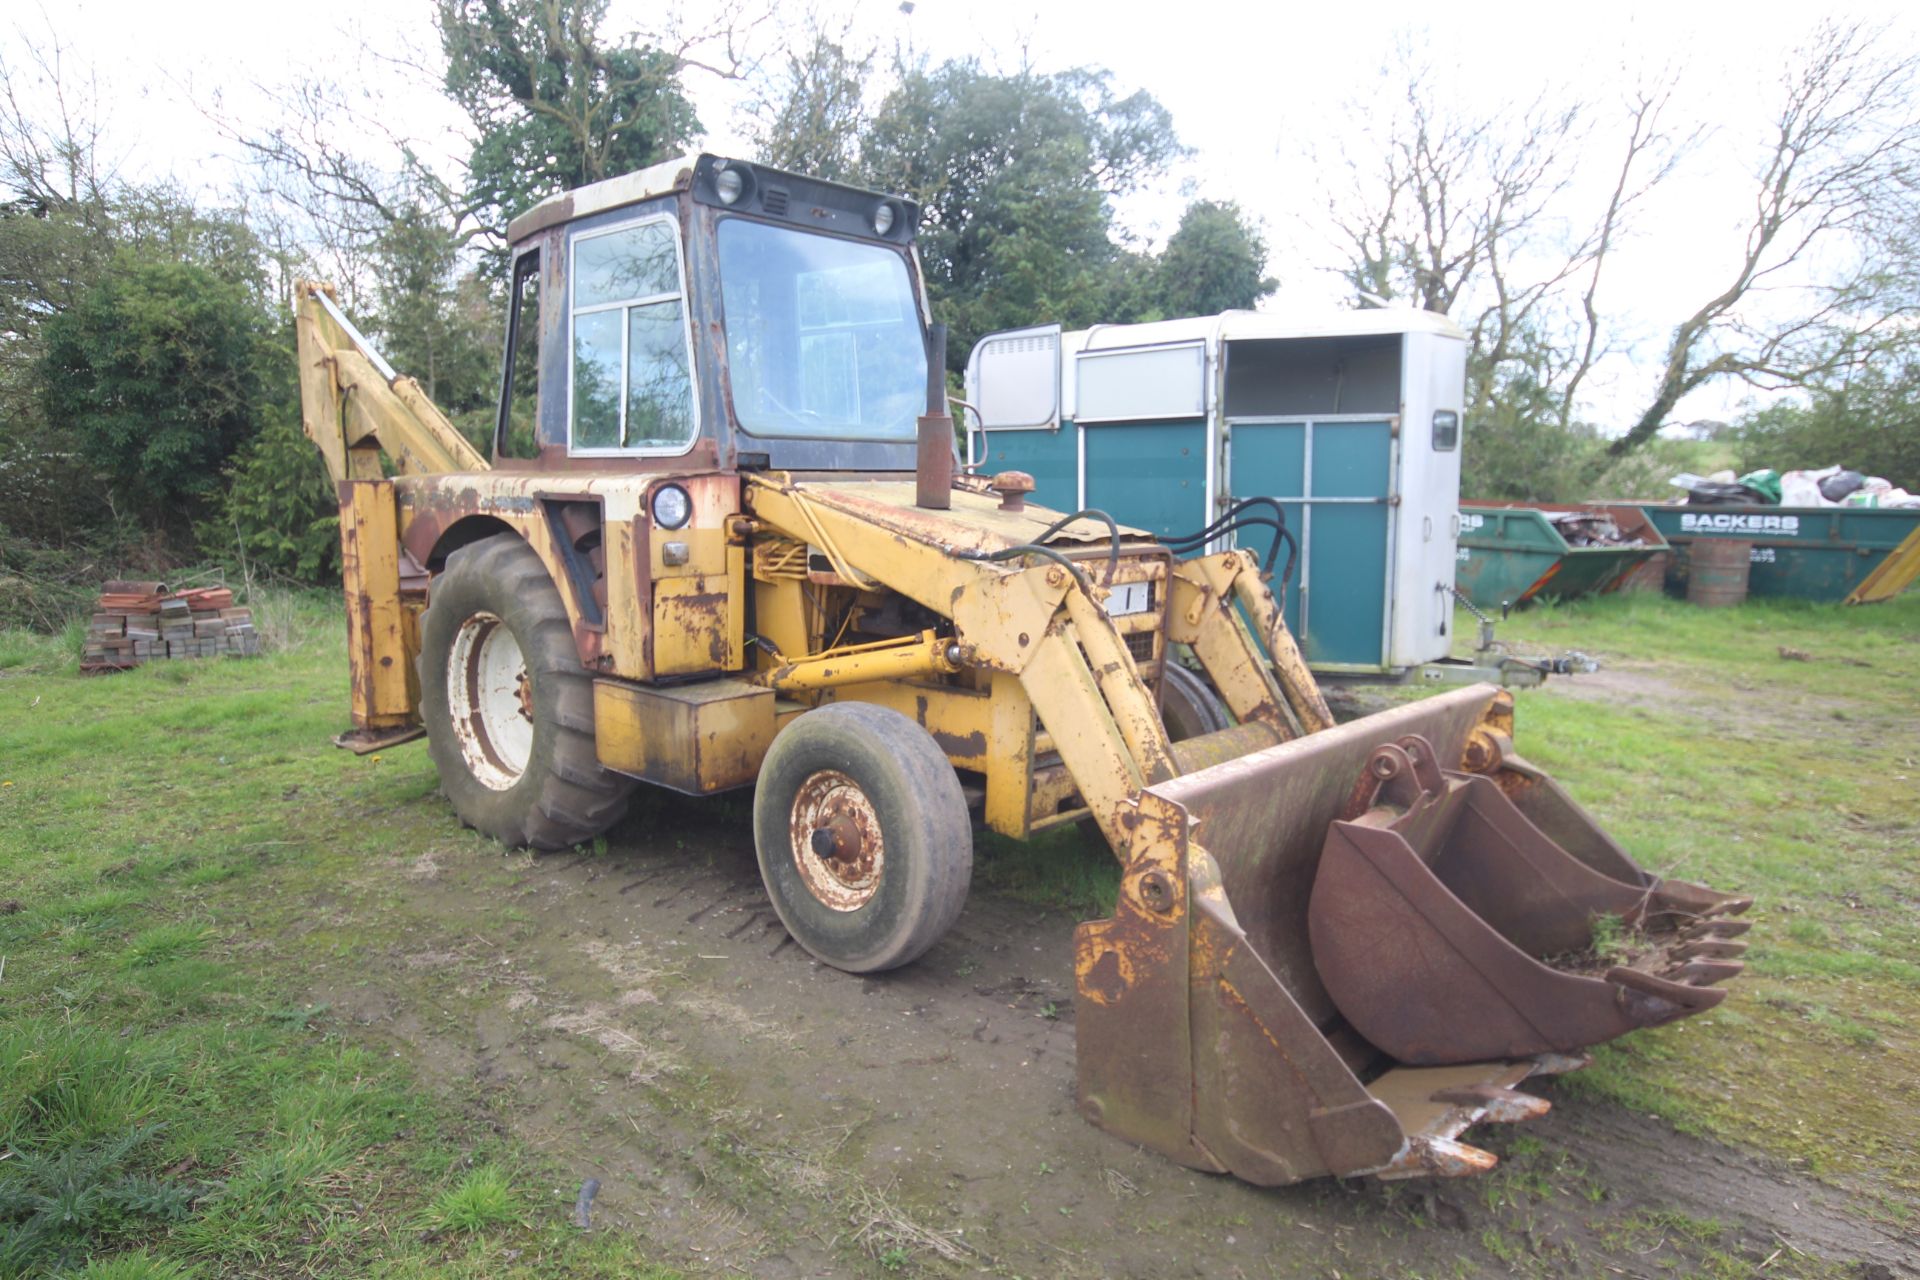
647, 1022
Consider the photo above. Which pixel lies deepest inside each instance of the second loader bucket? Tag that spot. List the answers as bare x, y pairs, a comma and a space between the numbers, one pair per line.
1334, 955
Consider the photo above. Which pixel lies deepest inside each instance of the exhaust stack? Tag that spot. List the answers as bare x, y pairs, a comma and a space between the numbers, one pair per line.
933, 471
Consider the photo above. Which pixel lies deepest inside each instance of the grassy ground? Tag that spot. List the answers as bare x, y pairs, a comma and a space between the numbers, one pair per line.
169, 1104
172, 1104
1775, 750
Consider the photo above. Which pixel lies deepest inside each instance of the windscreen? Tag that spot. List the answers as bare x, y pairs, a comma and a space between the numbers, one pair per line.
823, 337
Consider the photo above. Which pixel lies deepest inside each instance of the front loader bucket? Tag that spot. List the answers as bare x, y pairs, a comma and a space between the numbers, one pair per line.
1334, 955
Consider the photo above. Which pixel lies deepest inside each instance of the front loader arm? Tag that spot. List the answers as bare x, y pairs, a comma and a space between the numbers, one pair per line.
354, 407
1045, 626
1202, 613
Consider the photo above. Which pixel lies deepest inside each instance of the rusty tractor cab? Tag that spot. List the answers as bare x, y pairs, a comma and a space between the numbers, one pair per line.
724, 541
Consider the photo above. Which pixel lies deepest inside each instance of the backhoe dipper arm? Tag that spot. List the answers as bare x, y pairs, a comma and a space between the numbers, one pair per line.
355, 407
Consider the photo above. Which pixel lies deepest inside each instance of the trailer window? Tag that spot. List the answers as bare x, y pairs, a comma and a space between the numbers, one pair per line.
632, 388
823, 335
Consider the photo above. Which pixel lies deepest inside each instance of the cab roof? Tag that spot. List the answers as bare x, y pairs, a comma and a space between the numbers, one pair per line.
764, 191
609, 193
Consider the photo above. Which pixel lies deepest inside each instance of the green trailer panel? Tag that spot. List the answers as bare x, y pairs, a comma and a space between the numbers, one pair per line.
1509, 555
1349, 546
1152, 475
1801, 553
1051, 457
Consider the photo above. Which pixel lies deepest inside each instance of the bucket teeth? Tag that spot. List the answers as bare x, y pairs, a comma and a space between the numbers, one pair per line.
1717, 928
1559, 1064
1709, 948
1436, 1158
1495, 1105
1704, 972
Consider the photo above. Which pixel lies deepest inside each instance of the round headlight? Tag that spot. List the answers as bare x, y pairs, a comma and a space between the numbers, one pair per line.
883, 218
671, 506
729, 185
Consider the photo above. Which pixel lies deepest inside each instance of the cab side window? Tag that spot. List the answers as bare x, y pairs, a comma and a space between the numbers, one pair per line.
632, 384
520, 386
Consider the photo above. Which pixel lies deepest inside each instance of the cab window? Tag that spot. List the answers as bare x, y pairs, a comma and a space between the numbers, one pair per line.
520, 382
632, 385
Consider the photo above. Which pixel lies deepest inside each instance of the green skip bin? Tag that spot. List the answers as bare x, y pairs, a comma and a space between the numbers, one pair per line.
1512, 554
1803, 553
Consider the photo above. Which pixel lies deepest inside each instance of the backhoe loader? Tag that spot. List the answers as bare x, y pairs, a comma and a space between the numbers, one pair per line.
724, 540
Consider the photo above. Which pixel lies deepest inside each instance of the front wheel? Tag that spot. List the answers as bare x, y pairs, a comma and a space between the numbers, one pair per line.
864, 840
1188, 705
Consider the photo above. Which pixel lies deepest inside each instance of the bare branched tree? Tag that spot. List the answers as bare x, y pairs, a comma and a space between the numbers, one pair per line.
51, 129
332, 176
1484, 215
1436, 187
1805, 299
720, 43
808, 109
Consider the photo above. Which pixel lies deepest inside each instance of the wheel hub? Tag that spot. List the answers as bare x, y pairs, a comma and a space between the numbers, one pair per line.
490, 701
837, 847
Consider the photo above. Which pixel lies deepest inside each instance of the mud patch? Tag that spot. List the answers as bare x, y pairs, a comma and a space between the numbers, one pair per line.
754, 1110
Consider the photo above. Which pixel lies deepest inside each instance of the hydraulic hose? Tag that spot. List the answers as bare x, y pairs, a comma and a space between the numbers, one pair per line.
1113, 535
1233, 520
1030, 549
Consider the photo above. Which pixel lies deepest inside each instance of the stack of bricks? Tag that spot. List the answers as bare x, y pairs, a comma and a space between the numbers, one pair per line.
138, 622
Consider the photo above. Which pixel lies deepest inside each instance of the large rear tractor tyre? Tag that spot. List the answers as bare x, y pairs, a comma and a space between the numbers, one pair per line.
507, 706
1188, 705
864, 840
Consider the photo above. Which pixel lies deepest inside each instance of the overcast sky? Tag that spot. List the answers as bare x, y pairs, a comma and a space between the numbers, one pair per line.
1258, 90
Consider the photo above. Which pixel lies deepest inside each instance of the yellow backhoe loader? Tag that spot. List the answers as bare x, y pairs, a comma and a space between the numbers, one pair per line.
723, 540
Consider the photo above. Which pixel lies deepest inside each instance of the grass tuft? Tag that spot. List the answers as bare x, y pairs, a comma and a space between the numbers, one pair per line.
165, 942
135, 1266
483, 1200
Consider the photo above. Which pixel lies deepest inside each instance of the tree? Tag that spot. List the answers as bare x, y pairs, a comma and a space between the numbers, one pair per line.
156, 371
1869, 421
809, 115
1473, 212
554, 104
1839, 164
279, 513
1215, 261
1015, 176
435, 318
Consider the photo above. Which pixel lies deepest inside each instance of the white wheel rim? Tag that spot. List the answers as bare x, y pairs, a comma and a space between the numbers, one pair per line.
836, 840
491, 700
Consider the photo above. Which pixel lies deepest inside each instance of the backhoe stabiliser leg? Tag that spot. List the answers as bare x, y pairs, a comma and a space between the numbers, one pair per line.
1209, 1027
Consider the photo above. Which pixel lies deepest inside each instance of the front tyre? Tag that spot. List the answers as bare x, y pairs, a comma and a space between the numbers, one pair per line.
507, 706
863, 835
1189, 707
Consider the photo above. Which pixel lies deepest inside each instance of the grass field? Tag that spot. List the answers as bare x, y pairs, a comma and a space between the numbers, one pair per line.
1775, 750
173, 1104
170, 1105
